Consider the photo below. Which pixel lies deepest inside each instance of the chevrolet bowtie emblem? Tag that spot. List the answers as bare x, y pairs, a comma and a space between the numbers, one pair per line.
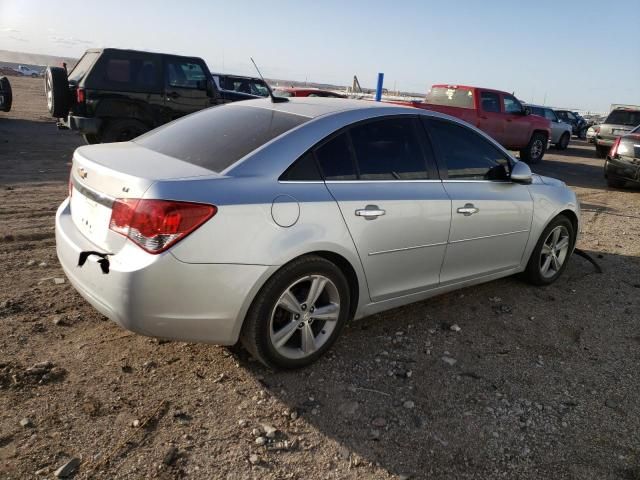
82, 172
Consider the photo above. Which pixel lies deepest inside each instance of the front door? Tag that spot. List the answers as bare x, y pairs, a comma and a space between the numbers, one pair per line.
185, 87
517, 128
382, 176
491, 216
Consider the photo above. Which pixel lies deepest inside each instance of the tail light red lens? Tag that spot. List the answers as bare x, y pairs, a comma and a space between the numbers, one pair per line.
614, 148
80, 96
156, 225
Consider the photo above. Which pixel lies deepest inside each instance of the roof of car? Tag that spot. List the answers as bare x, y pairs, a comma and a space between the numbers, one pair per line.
312, 107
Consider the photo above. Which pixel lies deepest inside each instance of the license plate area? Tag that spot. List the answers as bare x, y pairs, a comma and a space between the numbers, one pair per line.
91, 218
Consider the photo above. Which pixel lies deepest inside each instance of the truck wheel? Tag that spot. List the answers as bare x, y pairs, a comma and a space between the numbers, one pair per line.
601, 152
56, 89
123, 130
563, 143
534, 152
5, 88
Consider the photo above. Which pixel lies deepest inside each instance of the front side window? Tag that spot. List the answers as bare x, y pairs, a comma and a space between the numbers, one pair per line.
388, 149
490, 102
184, 74
467, 155
511, 104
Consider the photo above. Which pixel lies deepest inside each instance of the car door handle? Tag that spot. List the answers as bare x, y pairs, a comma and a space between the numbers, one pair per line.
370, 212
468, 209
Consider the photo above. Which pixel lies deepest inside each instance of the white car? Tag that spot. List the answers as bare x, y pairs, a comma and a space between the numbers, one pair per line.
28, 72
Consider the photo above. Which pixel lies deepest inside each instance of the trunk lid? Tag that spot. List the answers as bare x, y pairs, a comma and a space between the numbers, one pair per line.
102, 173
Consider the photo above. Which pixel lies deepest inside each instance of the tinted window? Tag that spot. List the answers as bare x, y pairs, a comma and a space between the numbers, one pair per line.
453, 97
624, 117
125, 73
335, 159
511, 105
490, 101
388, 150
83, 66
549, 115
217, 137
184, 74
466, 154
244, 85
304, 169
537, 111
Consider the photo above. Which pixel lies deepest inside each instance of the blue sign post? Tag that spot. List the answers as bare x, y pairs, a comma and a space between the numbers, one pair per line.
379, 87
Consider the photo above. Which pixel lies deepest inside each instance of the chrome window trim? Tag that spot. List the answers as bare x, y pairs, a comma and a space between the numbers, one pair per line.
489, 236
97, 197
407, 248
383, 181
477, 181
300, 181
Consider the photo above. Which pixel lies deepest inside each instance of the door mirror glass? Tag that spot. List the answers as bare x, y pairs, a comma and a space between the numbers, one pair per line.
521, 173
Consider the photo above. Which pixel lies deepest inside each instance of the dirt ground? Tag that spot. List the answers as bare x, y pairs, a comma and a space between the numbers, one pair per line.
545, 382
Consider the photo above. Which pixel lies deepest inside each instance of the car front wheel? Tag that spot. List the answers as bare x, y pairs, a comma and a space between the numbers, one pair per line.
551, 254
298, 314
534, 152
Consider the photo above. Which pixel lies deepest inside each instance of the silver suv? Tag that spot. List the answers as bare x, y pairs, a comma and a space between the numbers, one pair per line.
560, 131
619, 122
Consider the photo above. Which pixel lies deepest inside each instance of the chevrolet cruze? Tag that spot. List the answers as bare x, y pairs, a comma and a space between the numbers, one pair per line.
276, 223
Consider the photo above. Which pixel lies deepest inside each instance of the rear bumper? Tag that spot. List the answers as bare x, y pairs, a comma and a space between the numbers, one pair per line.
604, 142
158, 295
83, 125
621, 170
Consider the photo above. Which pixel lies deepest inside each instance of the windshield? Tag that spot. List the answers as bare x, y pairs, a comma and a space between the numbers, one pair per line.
83, 65
217, 137
624, 117
452, 97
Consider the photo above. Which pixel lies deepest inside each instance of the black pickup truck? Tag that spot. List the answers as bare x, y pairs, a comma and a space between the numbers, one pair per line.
114, 95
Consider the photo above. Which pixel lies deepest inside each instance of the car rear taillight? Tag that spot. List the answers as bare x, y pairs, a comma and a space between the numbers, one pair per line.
80, 96
614, 148
156, 225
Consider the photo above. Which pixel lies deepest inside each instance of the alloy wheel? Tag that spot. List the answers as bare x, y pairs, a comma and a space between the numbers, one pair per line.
554, 251
536, 149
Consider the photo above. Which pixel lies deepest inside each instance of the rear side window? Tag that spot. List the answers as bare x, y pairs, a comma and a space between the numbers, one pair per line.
549, 115
217, 137
303, 169
452, 97
335, 159
467, 155
388, 150
624, 117
490, 102
83, 66
124, 72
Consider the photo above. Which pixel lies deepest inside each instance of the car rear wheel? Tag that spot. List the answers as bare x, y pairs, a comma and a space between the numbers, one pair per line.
534, 152
5, 90
56, 89
551, 254
122, 130
563, 143
601, 152
298, 314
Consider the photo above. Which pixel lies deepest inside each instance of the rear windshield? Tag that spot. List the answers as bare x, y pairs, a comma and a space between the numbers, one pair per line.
83, 65
452, 97
624, 117
217, 137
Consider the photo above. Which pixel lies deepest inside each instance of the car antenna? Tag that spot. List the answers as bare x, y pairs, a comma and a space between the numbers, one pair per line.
274, 99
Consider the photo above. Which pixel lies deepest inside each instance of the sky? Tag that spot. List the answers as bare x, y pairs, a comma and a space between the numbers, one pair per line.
565, 53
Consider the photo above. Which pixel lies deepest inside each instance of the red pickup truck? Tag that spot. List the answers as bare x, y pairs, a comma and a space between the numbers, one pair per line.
499, 114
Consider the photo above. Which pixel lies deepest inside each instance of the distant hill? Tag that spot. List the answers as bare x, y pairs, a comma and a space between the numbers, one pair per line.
34, 59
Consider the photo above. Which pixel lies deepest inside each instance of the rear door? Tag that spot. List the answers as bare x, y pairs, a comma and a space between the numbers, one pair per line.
491, 216
185, 86
382, 175
517, 129
490, 118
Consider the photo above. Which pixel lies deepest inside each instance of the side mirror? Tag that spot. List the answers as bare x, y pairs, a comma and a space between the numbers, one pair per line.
521, 173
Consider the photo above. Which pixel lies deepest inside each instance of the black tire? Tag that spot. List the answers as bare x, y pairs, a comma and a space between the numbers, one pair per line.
534, 152
563, 143
256, 335
601, 152
615, 182
533, 273
7, 93
91, 138
56, 90
122, 130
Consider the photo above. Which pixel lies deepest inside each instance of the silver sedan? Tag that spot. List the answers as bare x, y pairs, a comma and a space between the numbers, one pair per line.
276, 223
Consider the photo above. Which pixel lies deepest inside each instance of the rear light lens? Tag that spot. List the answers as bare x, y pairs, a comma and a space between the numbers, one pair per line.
156, 225
70, 183
80, 97
614, 148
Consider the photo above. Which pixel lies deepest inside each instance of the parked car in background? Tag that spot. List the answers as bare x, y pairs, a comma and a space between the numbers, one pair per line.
623, 160
305, 92
620, 121
28, 71
6, 95
560, 131
114, 95
235, 87
578, 124
499, 114
277, 222
591, 133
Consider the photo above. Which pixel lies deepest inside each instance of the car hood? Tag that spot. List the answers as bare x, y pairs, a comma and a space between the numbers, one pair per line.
542, 180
